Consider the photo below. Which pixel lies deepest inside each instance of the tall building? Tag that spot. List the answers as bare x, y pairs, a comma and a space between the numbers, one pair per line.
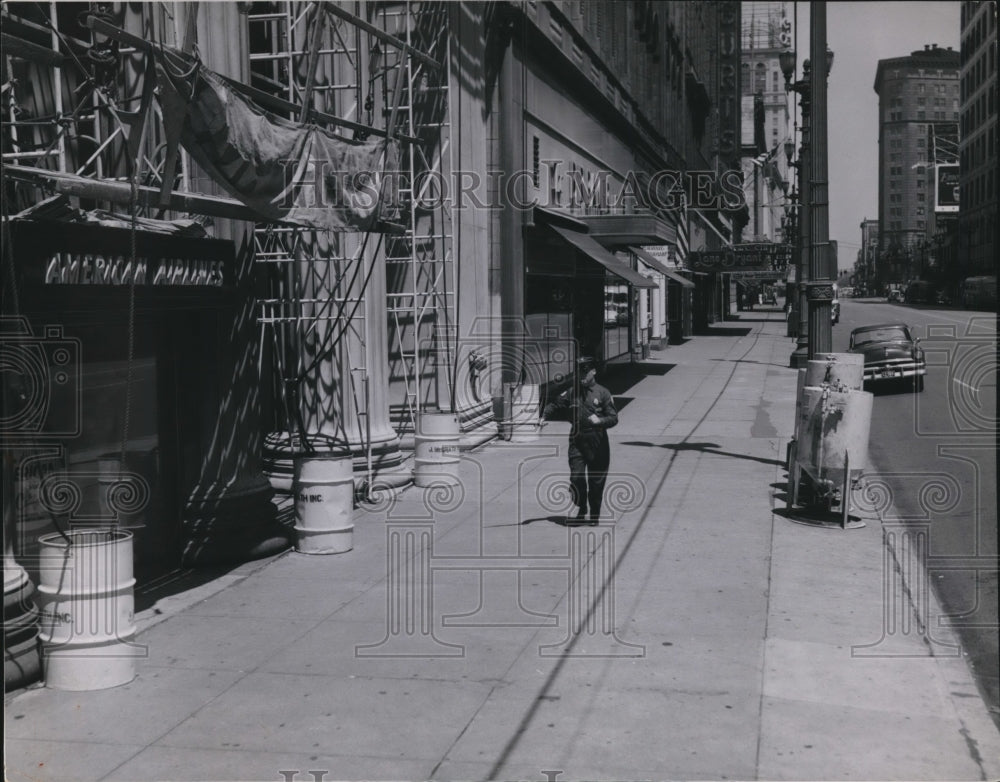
865, 278
978, 225
918, 96
766, 32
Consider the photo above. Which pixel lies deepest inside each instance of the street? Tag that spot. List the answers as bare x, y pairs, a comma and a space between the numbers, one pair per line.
936, 451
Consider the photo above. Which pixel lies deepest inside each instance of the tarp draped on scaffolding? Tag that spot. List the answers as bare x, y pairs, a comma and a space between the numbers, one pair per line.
286, 171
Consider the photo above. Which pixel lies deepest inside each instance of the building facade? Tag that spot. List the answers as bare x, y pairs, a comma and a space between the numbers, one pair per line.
502, 187
766, 32
918, 100
977, 223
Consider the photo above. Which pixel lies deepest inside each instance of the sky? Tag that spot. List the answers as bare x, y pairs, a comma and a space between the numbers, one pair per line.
860, 34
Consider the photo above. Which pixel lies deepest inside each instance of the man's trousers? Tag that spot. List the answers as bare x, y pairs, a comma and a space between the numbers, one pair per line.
589, 458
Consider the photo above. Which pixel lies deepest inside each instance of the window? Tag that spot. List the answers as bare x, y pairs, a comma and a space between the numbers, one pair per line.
921, 115
920, 196
759, 78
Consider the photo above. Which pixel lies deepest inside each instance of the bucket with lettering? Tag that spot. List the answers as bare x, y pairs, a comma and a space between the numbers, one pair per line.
524, 416
436, 458
86, 604
324, 504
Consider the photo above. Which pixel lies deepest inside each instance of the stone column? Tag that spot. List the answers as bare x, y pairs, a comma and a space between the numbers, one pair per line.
478, 353
338, 351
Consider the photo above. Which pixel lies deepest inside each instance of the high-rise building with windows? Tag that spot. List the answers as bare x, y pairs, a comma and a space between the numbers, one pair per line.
978, 146
918, 94
766, 32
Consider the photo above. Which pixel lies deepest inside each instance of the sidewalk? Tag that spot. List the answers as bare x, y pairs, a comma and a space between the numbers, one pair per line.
716, 639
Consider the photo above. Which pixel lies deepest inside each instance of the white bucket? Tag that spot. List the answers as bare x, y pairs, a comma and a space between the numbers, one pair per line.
436, 458
524, 414
324, 505
86, 608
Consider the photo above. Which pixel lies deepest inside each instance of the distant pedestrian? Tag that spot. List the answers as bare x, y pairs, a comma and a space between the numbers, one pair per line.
590, 410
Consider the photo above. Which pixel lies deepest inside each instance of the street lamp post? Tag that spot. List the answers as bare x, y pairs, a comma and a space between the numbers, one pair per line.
800, 306
821, 276
814, 284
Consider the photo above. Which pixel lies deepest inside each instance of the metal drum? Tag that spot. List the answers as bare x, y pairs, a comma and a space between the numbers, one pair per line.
524, 414
436, 459
834, 431
85, 603
324, 505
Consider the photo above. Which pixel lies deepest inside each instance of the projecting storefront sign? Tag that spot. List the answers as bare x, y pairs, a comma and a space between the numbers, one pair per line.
729, 74
765, 257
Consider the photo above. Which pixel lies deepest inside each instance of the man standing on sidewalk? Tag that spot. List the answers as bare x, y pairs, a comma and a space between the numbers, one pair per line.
591, 412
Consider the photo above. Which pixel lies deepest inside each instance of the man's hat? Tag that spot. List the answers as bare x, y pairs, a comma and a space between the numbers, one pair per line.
585, 363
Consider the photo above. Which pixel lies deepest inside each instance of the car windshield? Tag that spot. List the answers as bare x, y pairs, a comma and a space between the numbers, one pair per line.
884, 334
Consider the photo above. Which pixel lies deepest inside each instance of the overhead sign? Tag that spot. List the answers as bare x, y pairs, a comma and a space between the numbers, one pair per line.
946, 187
664, 253
712, 260
772, 275
760, 256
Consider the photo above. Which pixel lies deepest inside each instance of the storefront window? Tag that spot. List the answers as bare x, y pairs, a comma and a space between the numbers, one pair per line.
616, 318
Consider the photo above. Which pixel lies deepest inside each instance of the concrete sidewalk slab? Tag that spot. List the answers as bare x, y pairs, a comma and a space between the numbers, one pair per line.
696, 633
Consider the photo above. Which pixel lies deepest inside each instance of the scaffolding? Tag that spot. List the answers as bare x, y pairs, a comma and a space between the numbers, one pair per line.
80, 119
383, 69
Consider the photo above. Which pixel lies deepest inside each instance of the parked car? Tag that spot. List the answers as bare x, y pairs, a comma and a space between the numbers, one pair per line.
890, 353
895, 296
835, 311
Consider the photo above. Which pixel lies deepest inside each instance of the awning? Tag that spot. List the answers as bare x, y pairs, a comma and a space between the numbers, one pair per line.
684, 281
652, 263
631, 229
595, 252
649, 260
